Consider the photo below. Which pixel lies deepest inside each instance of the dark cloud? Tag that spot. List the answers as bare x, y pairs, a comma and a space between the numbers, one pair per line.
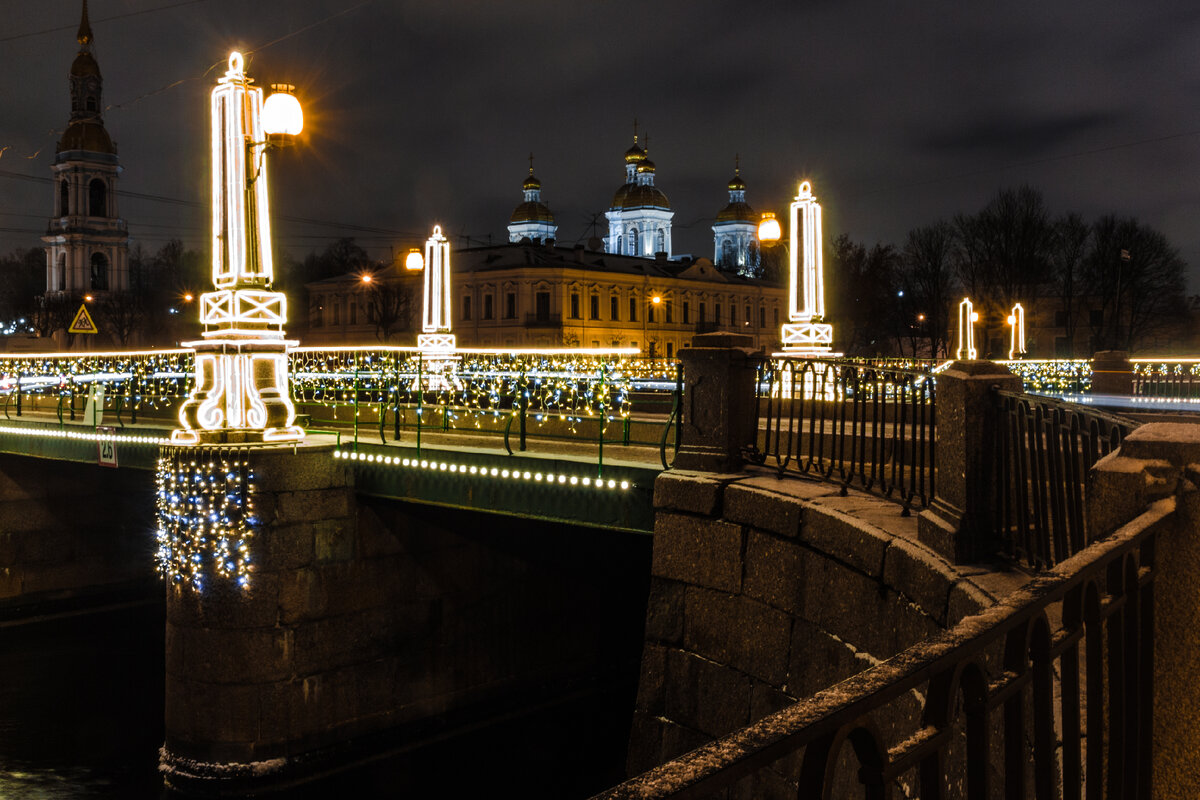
1015, 137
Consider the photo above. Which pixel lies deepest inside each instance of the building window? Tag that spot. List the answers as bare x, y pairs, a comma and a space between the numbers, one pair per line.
337, 312
633, 241
510, 305
317, 317
64, 199
685, 312
669, 312
487, 307
717, 315
662, 241
670, 349
776, 316
542, 306
353, 313
633, 309
595, 309
762, 316
749, 316
732, 315
650, 313
703, 317
466, 306
614, 307
99, 272
97, 193
574, 306
62, 272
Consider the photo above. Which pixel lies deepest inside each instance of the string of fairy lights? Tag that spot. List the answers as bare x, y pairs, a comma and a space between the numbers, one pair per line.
206, 517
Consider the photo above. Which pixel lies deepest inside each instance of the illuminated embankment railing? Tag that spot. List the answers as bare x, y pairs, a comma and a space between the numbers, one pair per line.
849, 422
133, 380
573, 393
1175, 378
1059, 376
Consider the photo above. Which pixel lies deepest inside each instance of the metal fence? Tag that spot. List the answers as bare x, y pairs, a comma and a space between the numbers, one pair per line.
1166, 378
857, 424
1045, 450
1047, 694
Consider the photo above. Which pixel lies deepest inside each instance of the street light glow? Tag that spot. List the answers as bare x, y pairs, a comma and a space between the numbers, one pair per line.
769, 230
281, 113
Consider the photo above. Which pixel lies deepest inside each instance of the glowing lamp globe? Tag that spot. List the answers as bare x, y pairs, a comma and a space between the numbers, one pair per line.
769, 230
415, 261
281, 114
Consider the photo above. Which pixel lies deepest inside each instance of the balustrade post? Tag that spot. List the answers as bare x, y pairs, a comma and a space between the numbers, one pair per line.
959, 522
1112, 373
719, 372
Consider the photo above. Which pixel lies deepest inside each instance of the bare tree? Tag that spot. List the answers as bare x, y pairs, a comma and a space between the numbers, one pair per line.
121, 314
1069, 248
389, 307
928, 279
1137, 278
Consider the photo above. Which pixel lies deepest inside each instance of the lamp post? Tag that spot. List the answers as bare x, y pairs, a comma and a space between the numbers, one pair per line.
241, 391
806, 332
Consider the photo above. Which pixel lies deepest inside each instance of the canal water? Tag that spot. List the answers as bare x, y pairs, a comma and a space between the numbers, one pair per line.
81, 710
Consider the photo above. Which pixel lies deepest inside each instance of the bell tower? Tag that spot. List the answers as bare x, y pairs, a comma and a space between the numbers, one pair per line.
87, 243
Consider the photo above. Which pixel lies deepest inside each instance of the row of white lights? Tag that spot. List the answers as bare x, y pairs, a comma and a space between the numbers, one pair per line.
90, 437
483, 472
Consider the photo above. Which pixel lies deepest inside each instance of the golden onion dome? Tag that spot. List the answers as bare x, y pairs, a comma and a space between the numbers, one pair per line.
736, 184
737, 212
85, 65
646, 166
531, 183
86, 135
634, 196
635, 154
532, 212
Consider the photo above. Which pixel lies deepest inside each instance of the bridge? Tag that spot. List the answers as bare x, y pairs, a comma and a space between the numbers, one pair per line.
894, 557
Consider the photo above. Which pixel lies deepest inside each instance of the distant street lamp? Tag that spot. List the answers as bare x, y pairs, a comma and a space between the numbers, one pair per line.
415, 261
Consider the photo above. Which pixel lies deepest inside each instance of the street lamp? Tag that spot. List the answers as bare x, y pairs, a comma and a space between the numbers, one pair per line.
415, 261
241, 392
806, 332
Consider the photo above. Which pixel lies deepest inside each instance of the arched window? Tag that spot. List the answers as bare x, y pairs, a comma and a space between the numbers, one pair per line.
633, 241
60, 273
97, 193
727, 254
64, 198
661, 242
91, 104
99, 272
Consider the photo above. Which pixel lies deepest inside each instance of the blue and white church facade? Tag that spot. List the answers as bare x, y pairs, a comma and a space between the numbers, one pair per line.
735, 233
639, 221
531, 219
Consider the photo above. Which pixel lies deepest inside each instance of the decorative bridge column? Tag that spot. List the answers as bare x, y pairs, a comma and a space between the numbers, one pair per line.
958, 523
718, 415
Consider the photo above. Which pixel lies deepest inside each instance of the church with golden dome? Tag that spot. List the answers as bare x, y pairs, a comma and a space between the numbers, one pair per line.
532, 220
87, 243
735, 233
639, 220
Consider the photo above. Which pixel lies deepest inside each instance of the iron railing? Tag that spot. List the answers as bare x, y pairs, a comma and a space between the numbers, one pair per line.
1045, 450
1166, 378
853, 423
1047, 694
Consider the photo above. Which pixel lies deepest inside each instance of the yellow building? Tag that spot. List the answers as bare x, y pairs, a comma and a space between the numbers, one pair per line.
543, 295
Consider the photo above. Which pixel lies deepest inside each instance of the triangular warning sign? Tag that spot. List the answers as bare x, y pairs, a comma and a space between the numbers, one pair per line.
82, 322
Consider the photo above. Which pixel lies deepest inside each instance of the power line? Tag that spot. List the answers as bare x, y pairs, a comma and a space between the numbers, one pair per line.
14, 37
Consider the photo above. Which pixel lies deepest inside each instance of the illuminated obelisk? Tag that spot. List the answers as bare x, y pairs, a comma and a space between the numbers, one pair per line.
435, 320
436, 342
967, 317
807, 333
241, 381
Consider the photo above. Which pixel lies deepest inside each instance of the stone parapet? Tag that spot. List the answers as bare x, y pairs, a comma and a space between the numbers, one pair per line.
765, 590
718, 418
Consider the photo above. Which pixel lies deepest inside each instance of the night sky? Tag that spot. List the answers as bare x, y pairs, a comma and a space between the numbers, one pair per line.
418, 113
